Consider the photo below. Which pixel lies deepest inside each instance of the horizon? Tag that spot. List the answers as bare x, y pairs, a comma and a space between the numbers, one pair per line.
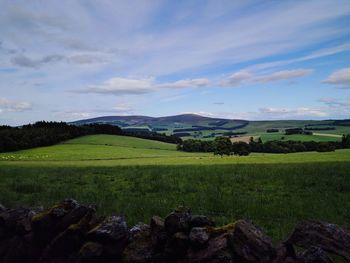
251, 60
167, 116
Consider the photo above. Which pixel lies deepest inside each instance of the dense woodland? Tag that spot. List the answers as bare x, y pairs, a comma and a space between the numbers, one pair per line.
48, 133
223, 146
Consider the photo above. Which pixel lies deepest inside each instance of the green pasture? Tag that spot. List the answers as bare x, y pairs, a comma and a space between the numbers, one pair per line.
140, 178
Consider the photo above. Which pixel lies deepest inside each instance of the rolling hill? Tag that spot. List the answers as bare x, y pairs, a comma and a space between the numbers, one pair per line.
200, 127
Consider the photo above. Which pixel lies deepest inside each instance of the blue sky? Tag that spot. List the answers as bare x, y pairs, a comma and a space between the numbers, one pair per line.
256, 60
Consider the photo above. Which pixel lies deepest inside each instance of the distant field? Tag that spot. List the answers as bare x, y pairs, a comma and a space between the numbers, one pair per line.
122, 141
122, 150
140, 178
319, 137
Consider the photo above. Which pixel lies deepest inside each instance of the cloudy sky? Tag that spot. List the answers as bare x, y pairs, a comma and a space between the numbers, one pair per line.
250, 59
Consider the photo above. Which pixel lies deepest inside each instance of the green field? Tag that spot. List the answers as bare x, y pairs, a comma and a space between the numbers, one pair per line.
318, 137
140, 178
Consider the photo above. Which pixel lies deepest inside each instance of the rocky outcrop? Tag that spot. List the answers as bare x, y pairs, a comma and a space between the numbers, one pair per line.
70, 232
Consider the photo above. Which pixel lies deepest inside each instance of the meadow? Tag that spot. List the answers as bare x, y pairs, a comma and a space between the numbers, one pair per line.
140, 178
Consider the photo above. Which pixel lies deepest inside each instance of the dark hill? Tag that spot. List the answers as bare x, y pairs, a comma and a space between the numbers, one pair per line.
146, 120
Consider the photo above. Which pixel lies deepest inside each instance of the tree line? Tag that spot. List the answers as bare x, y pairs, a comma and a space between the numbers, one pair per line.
224, 146
44, 133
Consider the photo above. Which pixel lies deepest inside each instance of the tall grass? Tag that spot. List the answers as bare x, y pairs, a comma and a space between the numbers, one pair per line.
275, 196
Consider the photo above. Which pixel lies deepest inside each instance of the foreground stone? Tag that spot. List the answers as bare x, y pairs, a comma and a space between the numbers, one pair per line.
329, 237
71, 232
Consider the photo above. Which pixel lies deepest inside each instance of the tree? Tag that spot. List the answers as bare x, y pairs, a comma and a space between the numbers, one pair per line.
241, 148
345, 141
222, 146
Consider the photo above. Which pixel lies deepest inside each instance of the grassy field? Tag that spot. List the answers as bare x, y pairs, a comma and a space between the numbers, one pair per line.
140, 178
318, 137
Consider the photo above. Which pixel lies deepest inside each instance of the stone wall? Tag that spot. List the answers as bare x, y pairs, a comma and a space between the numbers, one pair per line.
70, 232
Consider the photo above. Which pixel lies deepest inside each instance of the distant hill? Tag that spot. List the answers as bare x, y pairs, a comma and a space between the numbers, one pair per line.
201, 127
142, 120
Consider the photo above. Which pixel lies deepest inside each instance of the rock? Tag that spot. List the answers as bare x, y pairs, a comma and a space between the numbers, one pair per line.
314, 255
69, 204
139, 231
113, 234
217, 231
159, 235
329, 237
2, 208
157, 224
113, 228
177, 222
216, 252
90, 252
250, 244
201, 221
51, 222
141, 248
285, 254
17, 220
73, 216
199, 237
177, 245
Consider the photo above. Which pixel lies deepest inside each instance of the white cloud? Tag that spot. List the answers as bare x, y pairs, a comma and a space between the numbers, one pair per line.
71, 115
333, 102
283, 75
122, 108
123, 86
7, 105
313, 55
237, 79
24, 61
186, 83
291, 113
244, 77
340, 78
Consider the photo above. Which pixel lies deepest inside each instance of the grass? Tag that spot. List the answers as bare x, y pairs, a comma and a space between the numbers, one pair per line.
137, 179
299, 137
122, 141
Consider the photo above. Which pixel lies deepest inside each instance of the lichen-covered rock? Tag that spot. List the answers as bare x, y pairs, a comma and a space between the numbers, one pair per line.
250, 244
113, 228
201, 221
216, 252
65, 243
55, 220
329, 237
178, 221
69, 232
113, 234
199, 237
314, 255
216, 231
141, 247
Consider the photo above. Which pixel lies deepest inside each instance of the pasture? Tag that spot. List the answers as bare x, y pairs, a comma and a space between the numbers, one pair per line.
140, 178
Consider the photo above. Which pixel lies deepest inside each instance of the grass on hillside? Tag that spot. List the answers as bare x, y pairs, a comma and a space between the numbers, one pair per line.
299, 137
133, 177
122, 141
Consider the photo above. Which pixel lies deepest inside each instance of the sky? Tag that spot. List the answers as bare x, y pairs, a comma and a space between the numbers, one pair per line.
258, 60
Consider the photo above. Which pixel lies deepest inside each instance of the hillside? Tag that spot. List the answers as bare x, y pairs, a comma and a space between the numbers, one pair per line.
137, 177
112, 150
207, 128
